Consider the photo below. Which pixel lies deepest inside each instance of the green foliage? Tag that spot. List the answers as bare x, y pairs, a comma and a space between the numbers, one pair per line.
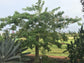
10, 51
13, 27
64, 37
1, 38
2, 25
76, 48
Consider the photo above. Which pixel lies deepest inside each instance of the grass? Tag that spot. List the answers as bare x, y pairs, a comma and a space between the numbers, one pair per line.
55, 51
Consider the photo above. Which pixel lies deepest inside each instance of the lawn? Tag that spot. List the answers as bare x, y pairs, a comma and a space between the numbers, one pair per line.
55, 51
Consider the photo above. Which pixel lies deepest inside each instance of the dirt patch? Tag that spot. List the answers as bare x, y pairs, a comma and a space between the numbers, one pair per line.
59, 59
56, 57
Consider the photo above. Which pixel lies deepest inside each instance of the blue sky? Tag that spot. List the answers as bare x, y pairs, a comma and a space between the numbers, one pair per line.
71, 8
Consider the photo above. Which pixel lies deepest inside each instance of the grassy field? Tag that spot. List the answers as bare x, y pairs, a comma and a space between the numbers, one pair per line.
55, 51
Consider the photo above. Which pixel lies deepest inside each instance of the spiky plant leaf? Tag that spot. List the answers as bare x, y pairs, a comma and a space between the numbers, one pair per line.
10, 51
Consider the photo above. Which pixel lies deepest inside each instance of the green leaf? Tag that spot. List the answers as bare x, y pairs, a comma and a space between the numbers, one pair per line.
12, 58
14, 49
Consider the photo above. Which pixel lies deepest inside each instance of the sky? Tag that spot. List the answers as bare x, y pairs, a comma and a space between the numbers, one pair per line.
71, 8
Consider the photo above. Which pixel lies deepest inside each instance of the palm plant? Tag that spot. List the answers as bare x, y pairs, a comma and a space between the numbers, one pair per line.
10, 51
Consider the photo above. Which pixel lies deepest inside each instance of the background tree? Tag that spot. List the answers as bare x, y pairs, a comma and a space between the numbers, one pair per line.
64, 37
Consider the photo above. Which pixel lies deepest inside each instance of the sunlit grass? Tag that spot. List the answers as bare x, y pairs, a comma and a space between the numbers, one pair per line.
55, 51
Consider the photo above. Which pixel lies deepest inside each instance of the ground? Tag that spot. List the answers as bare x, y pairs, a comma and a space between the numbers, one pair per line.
58, 59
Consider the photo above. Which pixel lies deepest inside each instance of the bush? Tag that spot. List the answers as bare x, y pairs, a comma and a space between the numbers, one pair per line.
76, 48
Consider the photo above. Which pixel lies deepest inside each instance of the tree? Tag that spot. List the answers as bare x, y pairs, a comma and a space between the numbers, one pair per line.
39, 25
82, 2
76, 48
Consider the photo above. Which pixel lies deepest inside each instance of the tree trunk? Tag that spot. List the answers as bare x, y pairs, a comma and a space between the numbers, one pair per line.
36, 54
37, 51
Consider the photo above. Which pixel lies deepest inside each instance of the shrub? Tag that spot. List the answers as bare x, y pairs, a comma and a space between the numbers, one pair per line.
76, 48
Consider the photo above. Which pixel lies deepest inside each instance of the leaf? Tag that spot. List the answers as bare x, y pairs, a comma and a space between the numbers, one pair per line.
12, 58
79, 23
11, 47
46, 9
42, 4
54, 10
14, 49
